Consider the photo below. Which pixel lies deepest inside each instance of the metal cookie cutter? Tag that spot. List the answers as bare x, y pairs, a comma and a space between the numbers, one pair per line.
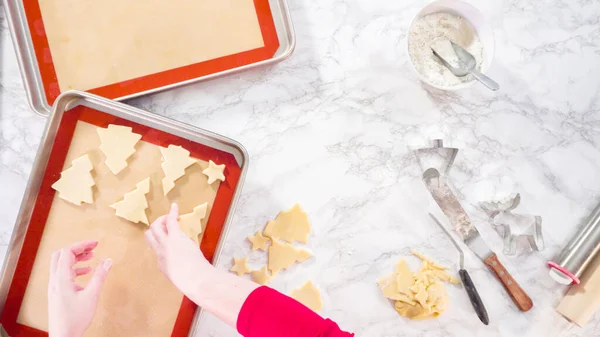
520, 232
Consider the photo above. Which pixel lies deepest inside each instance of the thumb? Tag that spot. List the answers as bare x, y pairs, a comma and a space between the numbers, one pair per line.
95, 286
172, 219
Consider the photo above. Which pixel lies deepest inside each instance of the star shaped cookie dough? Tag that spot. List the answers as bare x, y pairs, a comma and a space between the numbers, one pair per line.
261, 276
214, 172
191, 223
259, 241
240, 266
291, 225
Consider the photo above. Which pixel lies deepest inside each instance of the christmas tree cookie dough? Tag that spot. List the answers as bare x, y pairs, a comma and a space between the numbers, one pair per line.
117, 143
418, 295
175, 160
308, 295
134, 204
291, 225
259, 242
75, 183
191, 223
282, 255
214, 172
240, 266
261, 276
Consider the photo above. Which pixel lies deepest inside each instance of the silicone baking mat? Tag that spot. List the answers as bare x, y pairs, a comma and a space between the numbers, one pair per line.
116, 48
137, 300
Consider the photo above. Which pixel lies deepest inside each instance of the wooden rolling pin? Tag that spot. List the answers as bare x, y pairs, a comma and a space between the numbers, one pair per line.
582, 300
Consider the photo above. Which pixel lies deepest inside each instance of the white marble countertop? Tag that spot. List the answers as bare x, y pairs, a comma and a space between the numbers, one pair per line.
333, 128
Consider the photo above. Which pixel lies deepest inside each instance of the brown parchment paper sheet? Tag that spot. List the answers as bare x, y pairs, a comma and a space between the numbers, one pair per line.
97, 43
583, 300
137, 299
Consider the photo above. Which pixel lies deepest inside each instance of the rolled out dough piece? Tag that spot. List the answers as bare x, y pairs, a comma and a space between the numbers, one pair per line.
308, 295
191, 223
214, 172
134, 204
291, 225
75, 183
240, 266
175, 160
283, 255
259, 241
420, 295
261, 276
117, 143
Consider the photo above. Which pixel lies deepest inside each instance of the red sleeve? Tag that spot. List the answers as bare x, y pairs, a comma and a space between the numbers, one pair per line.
268, 313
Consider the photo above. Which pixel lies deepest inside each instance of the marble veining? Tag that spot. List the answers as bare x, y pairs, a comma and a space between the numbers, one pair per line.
334, 127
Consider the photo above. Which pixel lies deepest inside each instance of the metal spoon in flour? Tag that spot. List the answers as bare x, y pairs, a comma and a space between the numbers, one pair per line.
468, 65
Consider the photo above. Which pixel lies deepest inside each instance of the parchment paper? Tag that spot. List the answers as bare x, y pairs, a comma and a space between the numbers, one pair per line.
137, 300
97, 43
582, 300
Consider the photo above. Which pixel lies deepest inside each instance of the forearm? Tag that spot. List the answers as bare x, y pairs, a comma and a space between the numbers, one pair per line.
221, 293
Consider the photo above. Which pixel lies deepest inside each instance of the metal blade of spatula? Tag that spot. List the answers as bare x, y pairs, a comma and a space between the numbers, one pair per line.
436, 156
445, 198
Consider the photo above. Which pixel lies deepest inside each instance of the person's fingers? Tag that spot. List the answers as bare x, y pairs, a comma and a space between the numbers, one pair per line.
65, 264
54, 262
95, 286
83, 246
78, 287
151, 240
159, 229
84, 256
82, 271
172, 217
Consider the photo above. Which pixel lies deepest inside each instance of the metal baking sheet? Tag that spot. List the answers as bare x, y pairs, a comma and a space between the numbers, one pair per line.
160, 127
41, 94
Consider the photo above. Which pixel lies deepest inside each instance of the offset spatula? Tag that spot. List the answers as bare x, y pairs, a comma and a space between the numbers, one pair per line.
449, 204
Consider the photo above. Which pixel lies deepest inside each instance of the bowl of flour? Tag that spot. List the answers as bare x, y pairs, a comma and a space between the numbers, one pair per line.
443, 21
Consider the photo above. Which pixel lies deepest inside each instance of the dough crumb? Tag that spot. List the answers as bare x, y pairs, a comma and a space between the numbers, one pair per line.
418, 295
76, 182
308, 295
240, 266
291, 225
214, 172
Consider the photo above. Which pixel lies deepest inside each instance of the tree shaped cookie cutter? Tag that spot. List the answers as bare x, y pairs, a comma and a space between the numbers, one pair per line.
520, 232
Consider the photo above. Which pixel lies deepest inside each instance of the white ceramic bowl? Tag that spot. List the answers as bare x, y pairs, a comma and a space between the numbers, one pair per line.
475, 18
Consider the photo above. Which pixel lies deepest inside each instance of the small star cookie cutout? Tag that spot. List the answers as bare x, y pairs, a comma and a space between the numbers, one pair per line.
259, 241
261, 276
240, 266
191, 223
214, 172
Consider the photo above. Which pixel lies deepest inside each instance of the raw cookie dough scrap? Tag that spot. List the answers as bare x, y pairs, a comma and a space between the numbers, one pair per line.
175, 160
291, 225
240, 266
134, 204
282, 255
261, 276
191, 223
420, 295
308, 295
214, 172
259, 242
117, 143
75, 183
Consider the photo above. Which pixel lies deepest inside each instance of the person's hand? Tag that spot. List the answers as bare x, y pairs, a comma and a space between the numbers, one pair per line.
179, 258
71, 307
